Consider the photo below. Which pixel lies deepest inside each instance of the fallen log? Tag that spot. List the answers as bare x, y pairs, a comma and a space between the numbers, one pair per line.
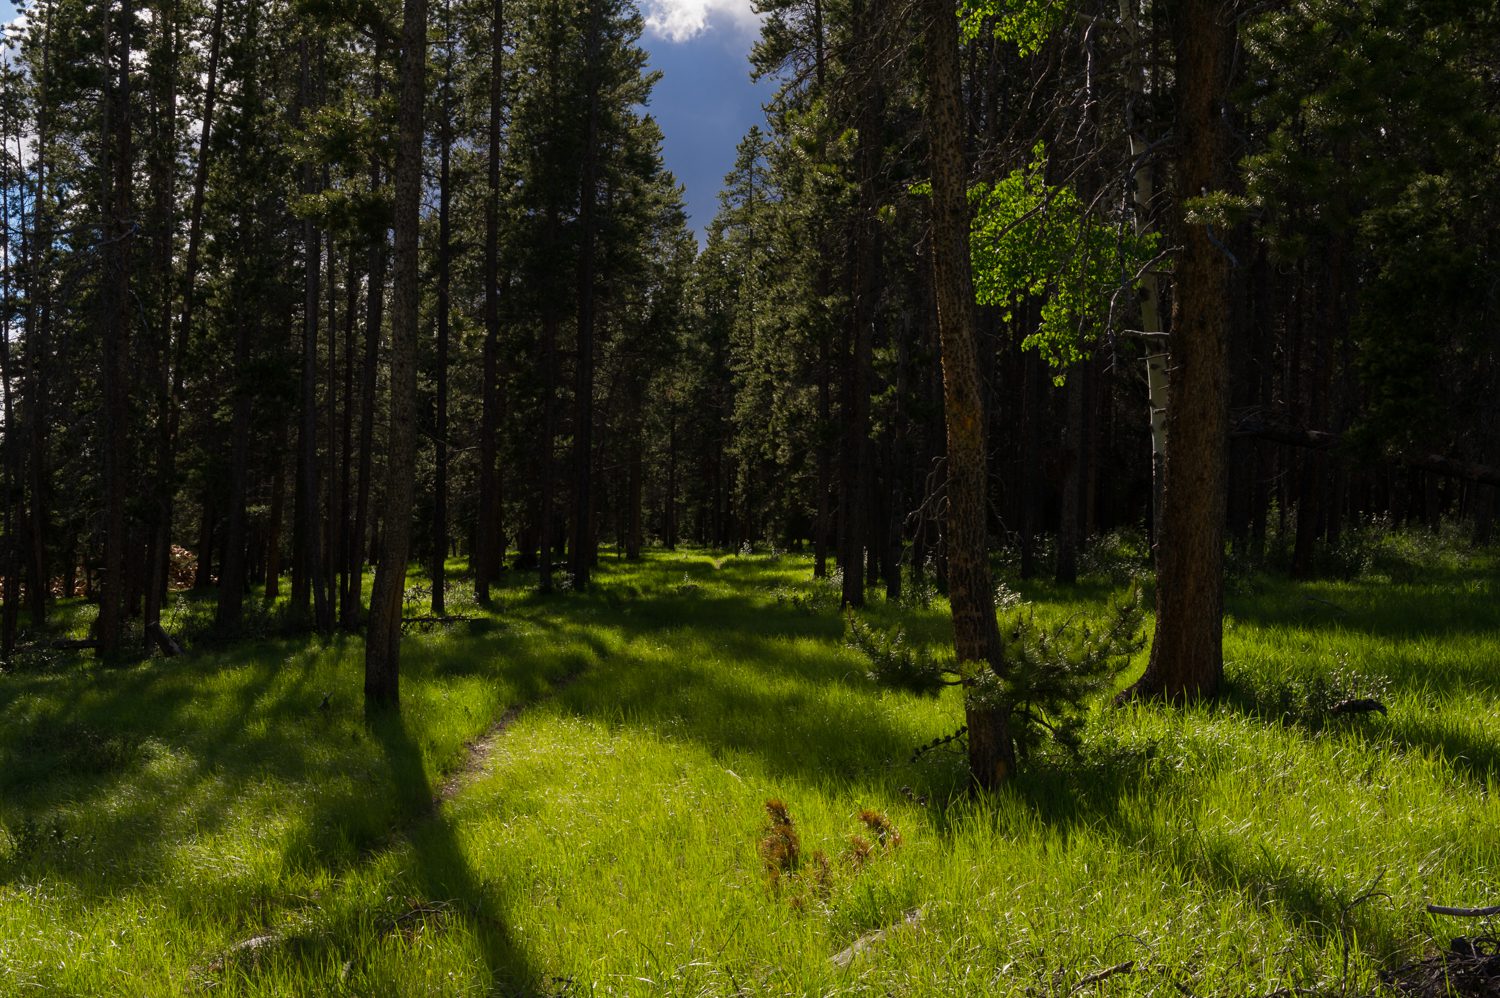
1442, 909
75, 644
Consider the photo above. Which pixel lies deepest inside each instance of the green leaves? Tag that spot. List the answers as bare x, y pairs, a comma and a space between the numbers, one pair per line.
1025, 23
1033, 240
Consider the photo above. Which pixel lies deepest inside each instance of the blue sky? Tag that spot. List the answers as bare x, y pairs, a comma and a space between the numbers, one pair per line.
705, 101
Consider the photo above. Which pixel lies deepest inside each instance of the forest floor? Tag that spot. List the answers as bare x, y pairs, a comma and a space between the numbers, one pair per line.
203, 825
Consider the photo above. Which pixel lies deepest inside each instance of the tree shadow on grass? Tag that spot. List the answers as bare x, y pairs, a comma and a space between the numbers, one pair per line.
439, 871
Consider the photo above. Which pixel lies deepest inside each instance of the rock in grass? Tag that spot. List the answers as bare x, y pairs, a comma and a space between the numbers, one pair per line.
846, 956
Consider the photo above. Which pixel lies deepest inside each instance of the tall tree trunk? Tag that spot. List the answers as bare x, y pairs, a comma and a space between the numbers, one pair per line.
1187, 650
119, 239
439, 570
333, 565
976, 635
582, 553
855, 526
349, 588
231, 601
1145, 192
1069, 523
374, 319
308, 568
168, 427
149, 574
487, 542
38, 348
383, 640
10, 451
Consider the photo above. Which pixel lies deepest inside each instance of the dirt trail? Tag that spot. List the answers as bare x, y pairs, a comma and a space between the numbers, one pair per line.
479, 751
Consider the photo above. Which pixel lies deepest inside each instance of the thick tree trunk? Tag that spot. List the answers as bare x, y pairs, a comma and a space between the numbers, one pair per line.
383, 640
976, 634
119, 239
1187, 650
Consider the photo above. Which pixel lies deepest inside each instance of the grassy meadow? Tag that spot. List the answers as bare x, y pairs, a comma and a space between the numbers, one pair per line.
225, 822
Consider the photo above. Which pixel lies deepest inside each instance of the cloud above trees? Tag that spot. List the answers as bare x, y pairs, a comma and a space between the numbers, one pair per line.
684, 20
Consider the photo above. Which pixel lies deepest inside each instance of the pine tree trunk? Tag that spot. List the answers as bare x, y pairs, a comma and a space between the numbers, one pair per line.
383, 640
855, 523
582, 553
1068, 524
38, 349
976, 635
374, 319
488, 529
309, 535
228, 612
439, 569
119, 239
1187, 651
169, 427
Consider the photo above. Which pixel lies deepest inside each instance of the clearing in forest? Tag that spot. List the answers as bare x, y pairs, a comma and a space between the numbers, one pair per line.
201, 825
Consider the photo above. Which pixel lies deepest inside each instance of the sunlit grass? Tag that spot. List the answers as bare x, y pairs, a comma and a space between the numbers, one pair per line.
159, 815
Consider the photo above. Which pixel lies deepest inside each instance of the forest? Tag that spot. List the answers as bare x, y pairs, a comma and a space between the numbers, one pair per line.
1038, 538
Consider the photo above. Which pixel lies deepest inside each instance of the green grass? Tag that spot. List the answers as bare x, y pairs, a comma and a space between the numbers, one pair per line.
155, 816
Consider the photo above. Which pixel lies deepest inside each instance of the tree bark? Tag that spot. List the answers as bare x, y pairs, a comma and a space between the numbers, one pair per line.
487, 543
439, 566
119, 237
581, 555
374, 319
1187, 650
976, 635
383, 640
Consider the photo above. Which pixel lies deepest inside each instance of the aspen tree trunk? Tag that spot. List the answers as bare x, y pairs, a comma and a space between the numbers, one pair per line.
487, 544
383, 639
1145, 192
976, 635
1187, 650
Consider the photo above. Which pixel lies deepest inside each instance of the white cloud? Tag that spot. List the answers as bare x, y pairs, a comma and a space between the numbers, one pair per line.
682, 20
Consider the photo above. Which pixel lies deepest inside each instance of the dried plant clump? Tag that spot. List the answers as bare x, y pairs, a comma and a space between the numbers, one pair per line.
881, 827
781, 848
